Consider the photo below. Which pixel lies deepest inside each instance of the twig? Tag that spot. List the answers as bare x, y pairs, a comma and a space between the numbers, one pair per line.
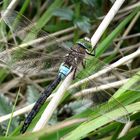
130, 7
99, 88
121, 61
65, 124
37, 41
107, 69
95, 38
124, 10
126, 48
11, 7
128, 30
114, 65
8, 85
128, 37
126, 129
53, 103
29, 107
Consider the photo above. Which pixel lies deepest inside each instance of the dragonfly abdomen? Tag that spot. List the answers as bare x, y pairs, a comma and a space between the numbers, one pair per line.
70, 63
39, 103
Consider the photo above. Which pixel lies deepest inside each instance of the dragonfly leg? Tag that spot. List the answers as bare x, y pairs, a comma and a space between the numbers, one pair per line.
74, 74
84, 64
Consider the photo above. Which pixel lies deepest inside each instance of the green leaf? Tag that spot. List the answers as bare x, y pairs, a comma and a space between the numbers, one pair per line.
105, 44
64, 13
83, 23
6, 108
3, 75
32, 94
24, 6
44, 19
87, 127
132, 83
48, 14
132, 134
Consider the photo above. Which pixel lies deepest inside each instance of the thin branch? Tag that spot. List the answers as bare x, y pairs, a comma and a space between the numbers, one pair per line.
65, 124
53, 103
125, 48
130, 7
99, 88
125, 10
126, 129
11, 7
32, 42
29, 107
128, 30
118, 63
128, 37
97, 35
107, 69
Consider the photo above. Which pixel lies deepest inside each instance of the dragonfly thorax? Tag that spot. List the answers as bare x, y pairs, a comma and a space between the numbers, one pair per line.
72, 60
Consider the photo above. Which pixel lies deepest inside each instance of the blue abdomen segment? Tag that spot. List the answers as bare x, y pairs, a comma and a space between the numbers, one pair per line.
64, 70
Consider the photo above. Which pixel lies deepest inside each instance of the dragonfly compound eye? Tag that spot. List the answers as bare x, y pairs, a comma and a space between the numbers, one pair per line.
85, 43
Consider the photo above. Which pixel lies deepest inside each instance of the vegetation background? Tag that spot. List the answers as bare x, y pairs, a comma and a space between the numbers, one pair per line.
70, 20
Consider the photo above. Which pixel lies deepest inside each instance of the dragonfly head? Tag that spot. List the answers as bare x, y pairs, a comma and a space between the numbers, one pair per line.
86, 44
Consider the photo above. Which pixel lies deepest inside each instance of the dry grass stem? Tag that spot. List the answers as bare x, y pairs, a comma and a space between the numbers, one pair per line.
106, 21
107, 69
53, 103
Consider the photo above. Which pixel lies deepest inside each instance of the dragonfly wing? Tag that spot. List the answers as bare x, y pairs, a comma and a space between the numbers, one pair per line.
34, 50
111, 73
28, 31
30, 61
100, 89
105, 102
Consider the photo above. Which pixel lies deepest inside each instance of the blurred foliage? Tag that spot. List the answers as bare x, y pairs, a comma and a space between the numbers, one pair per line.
76, 19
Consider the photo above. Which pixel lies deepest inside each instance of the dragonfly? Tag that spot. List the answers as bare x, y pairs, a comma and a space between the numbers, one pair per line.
35, 51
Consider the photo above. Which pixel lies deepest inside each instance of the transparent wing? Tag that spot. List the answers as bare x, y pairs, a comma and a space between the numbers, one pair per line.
32, 50
35, 51
97, 91
24, 29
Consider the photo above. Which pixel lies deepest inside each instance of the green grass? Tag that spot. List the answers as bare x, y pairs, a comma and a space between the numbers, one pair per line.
71, 127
